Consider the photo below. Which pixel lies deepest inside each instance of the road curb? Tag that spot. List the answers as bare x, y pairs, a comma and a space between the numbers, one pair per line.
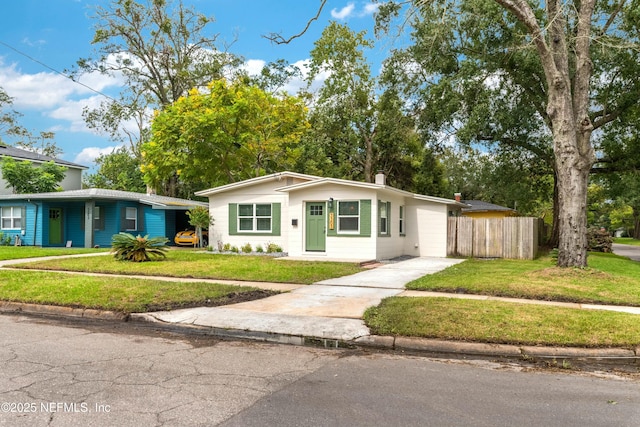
60, 311
412, 344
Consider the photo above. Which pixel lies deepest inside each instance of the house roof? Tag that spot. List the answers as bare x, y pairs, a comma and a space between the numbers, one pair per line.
20, 154
253, 181
160, 202
480, 206
373, 186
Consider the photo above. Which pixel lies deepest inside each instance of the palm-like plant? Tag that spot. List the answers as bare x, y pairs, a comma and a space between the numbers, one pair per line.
126, 247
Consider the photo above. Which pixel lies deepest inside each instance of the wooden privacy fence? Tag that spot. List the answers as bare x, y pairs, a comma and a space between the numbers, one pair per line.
513, 237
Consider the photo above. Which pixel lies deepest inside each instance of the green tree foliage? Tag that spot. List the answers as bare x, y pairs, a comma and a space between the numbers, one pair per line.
355, 130
162, 49
9, 119
199, 218
23, 177
118, 170
126, 247
536, 75
230, 132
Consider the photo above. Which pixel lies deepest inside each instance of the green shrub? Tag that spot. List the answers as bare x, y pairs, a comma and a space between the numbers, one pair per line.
599, 240
273, 248
259, 249
247, 249
5, 240
234, 249
138, 249
226, 247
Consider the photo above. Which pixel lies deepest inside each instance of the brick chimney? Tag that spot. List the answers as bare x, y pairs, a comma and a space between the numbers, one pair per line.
457, 196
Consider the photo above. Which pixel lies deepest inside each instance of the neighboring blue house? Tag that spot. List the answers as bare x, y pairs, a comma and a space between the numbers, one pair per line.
90, 217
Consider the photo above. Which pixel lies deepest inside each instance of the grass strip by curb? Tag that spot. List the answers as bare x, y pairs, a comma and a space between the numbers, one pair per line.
502, 323
118, 294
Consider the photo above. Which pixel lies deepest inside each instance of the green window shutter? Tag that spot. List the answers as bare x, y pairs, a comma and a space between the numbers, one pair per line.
276, 217
233, 219
365, 218
82, 218
388, 219
101, 220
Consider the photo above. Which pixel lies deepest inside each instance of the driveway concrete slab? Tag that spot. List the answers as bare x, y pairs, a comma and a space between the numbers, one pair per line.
317, 300
277, 323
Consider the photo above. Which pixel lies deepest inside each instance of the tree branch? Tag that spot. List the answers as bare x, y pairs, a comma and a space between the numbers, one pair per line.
278, 39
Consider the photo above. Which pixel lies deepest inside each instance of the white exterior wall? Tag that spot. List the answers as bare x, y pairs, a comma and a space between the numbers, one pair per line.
393, 245
426, 227
339, 247
258, 193
72, 180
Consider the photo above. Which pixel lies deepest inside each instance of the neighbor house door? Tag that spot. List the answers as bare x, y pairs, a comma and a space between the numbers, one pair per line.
55, 226
315, 239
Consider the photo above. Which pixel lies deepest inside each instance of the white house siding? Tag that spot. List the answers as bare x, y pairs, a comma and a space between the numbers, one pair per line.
71, 181
258, 193
393, 245
339, 247
426, 229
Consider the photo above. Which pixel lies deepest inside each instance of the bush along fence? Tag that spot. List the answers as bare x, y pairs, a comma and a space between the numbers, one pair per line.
513, 238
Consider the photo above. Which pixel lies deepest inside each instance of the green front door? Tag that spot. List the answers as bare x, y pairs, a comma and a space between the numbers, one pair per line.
55, 226
315, 227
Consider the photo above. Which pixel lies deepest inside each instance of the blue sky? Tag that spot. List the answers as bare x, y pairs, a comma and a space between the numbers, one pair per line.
56, 33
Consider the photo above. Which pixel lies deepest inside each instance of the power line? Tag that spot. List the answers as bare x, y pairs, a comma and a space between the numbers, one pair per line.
56, 71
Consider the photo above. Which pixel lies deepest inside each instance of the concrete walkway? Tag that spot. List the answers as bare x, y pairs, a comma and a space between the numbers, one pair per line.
331, 309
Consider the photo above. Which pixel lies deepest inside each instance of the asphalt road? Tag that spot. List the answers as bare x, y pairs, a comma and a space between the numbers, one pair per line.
57, 374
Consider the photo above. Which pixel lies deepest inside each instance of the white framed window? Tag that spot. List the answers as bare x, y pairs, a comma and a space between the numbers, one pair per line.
401, 221
348, 216
11, 217
254, 217
384, 218
131, 219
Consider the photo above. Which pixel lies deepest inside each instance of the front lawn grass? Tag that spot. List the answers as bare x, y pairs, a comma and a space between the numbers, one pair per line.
17, 252
116, 294
502, 323
610, 279
203, 265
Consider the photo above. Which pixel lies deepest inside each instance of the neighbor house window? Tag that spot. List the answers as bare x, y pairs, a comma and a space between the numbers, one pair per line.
401, 221
11, 217
98, 219
348, 216
131, 219
383, 209
254, 217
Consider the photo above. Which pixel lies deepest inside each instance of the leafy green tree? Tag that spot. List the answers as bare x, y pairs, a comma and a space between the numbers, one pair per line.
118, 170
357, 127
24, 177
231, 132
538, 75
199, 218
162, 49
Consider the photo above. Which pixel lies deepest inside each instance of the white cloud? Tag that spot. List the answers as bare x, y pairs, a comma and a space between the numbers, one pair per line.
88, 155
370, 9
254, 66
343, 13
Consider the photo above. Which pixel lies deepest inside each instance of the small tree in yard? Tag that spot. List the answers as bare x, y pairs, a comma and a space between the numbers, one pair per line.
126, 247
199, 218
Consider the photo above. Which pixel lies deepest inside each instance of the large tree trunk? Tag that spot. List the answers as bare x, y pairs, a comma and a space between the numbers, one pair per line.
554, 238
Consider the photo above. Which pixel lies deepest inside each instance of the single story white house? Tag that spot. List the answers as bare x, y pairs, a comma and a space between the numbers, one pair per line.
311, 216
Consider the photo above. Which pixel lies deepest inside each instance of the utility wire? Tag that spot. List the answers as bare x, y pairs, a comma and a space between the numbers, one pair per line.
56, 71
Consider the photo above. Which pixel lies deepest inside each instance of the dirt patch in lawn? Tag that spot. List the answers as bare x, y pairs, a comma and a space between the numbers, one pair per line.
233, 298
569, 273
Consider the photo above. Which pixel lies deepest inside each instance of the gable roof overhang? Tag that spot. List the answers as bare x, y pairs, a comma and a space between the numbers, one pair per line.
20, 154
97, 194
367, 185
254, 181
